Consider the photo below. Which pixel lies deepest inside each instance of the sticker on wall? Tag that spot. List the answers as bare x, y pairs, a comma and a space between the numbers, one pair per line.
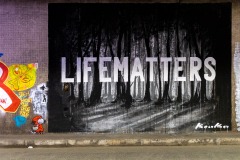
39, 99
38, 122
8, 100
21, 77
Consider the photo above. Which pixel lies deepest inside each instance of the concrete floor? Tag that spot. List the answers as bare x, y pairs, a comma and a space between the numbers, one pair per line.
228, 152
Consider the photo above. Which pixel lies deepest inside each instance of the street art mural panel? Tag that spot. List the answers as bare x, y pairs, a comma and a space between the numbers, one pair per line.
19, 95
139, 67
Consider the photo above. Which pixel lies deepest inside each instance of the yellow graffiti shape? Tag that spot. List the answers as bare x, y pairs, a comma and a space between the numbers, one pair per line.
21, 77
25, 102
23, 95
24, 111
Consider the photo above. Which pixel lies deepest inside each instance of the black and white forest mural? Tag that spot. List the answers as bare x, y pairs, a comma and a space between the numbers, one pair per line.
124, 68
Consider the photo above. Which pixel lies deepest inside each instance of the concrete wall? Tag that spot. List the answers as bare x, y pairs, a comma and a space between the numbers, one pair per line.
24, 40
235, 67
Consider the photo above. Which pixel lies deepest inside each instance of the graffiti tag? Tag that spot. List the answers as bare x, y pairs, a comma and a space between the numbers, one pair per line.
3, 101
217, 125
25, 100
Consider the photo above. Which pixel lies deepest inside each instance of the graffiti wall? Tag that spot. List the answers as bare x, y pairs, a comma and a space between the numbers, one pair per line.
157, 50
19, 96
139, 67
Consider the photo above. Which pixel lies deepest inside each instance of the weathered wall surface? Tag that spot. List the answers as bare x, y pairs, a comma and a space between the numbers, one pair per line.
235, 67
24, 40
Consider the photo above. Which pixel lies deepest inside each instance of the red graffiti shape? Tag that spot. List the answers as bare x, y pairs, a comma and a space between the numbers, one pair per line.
15, 101
38, 124
4, 75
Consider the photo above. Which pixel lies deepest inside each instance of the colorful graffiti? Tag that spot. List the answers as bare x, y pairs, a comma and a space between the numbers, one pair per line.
21, 77
8, 101
15, 82
24, 107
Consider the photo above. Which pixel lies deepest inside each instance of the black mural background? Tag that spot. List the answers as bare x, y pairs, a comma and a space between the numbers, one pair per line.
139, 30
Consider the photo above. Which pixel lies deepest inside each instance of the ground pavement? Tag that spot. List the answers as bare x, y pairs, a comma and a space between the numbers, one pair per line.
127, 139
